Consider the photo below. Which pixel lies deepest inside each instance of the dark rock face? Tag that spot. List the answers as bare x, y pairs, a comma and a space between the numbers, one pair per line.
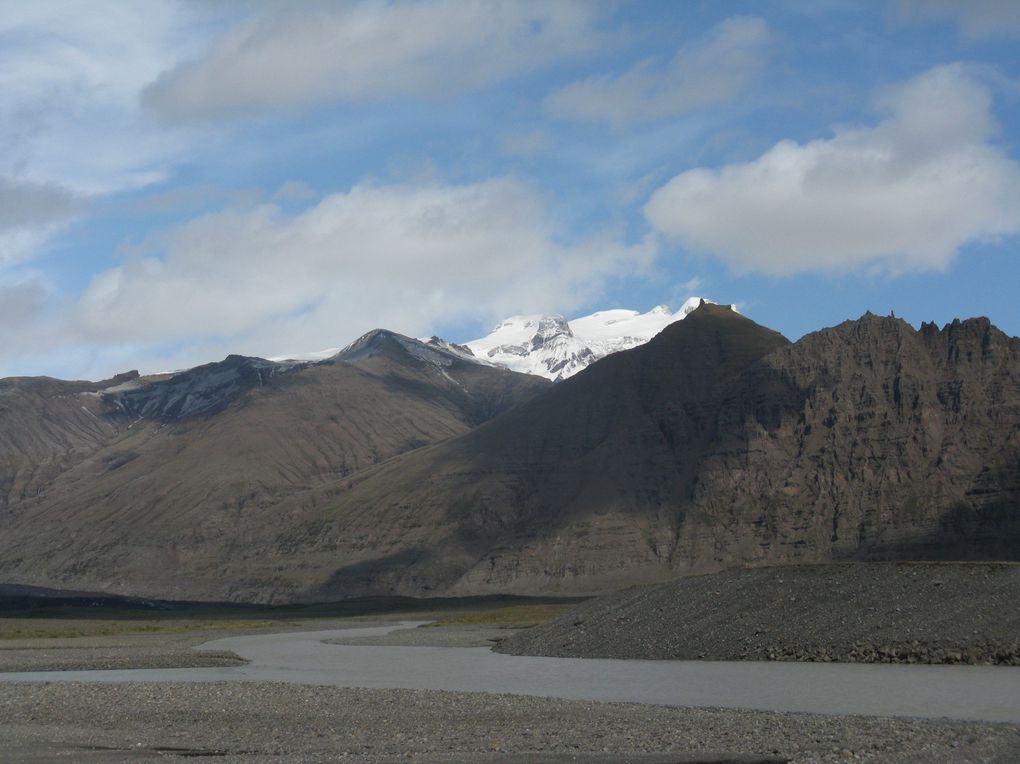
581, 488
438, 342
868, 440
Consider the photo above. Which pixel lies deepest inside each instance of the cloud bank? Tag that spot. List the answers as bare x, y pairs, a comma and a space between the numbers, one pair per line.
712, 71
401, 256
369, 50
977, 19
29, 213
70, 74
903, 195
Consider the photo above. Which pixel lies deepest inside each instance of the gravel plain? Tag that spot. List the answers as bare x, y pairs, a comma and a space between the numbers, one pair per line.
292, 723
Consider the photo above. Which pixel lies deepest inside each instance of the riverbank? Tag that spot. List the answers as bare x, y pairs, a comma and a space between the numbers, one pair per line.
84, 637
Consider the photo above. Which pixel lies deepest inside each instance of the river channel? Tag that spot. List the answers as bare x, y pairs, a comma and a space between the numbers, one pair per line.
982, 693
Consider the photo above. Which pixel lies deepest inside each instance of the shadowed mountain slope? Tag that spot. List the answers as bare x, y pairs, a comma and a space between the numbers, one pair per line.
876, 441
717, 443
580, 487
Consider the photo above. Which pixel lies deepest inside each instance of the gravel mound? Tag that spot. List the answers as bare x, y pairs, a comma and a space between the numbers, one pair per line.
259, 721
846, 612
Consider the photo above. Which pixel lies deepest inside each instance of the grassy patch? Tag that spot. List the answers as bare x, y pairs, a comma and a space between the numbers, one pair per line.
514, 615
63, 628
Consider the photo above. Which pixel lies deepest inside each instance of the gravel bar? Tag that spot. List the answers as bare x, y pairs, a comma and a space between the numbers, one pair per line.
848, 612
295, 723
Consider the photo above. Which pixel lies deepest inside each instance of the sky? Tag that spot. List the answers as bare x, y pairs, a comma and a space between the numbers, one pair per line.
185, 179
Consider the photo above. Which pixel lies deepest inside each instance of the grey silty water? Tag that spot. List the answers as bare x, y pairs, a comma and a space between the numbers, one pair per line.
985, 693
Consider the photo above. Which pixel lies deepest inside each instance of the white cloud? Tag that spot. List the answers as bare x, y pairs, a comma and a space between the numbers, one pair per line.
294, 56
711, 71
70, 125
29, 214
681, 292
70, 75
21, 302
406, 257
26, 203
903, 195
977, 18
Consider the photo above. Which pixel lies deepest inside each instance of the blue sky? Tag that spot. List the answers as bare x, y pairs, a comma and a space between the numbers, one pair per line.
186, 179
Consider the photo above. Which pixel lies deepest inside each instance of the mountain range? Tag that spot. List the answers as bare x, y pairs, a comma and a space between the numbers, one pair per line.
415, 467
550, 346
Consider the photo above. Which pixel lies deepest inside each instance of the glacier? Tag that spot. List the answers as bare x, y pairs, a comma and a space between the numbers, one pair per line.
551, 346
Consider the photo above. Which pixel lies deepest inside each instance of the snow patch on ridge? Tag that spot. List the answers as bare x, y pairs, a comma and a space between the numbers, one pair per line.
553, 347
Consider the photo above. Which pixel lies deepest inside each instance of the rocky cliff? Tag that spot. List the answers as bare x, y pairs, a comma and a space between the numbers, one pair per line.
868, 440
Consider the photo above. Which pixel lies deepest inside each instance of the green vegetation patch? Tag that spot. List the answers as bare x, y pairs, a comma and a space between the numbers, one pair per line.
63, 628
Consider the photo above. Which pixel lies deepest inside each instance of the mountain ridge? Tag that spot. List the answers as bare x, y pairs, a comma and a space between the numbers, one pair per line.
717, 443
544, 344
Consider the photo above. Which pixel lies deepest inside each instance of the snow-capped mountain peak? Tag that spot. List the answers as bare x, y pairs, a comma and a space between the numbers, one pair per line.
544, 344
552, 347
549, 328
